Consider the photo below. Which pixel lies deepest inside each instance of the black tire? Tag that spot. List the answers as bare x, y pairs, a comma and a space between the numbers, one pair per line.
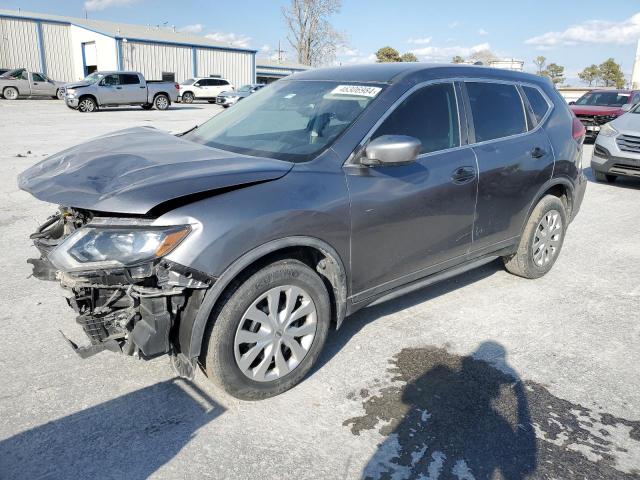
218, 347
187, 97
522, 262
87, 105
10, 93
603, 177
211, 101
161, 102
59, 95
147, 106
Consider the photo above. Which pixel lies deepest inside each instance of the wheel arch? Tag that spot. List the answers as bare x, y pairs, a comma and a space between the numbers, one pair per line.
316, 253
90, 95
558, 187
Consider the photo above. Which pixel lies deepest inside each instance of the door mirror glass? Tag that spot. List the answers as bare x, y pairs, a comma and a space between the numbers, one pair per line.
197, 84
391, 150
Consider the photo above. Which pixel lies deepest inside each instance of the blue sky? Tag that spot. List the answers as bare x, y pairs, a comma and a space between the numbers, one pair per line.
569, 32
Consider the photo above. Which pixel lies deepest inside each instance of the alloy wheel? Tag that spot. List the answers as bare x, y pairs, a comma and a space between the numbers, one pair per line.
86, 105
547, 238
162, 103
275, 333
10, 93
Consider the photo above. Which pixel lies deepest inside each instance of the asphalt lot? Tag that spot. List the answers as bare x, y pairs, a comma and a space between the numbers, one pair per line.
484, 376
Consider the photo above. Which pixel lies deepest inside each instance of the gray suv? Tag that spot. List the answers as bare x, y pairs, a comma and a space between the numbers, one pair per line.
238, 244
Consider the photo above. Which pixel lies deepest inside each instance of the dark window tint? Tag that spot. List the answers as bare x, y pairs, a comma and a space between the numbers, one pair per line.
430, 115
496, 109
205, 82
538, 104
111, 80
129, 79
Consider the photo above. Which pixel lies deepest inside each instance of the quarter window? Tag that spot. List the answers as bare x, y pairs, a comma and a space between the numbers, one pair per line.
496, 109
430, 115
538, 104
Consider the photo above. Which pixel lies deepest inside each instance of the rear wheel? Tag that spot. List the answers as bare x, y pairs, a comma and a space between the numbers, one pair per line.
269, 331
187, 97
161, 102
541, 240
603, 177
10, 93
87, 105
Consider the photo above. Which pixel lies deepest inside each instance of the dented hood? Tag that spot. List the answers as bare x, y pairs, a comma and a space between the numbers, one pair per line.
135, 170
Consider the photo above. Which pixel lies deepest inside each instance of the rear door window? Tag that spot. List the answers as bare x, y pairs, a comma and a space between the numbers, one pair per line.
129, 79
430, 115
496, 109
538, 104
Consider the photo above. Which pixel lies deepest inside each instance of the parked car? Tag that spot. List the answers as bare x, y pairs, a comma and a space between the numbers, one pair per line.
4, 70
597, 107
226, 99
240, 242
203, 88
20, 82
111, 89
617, 149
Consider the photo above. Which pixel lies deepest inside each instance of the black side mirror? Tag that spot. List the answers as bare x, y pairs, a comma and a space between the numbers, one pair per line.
391, 150
572, 103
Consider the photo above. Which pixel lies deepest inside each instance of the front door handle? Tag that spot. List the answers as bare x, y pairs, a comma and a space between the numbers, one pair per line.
142, 86
462, 175
538, 152
118, 88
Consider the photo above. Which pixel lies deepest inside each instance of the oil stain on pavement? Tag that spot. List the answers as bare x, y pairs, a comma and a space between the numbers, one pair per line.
448, 416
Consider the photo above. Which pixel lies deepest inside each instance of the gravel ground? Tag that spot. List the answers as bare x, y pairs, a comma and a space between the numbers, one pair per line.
484, 376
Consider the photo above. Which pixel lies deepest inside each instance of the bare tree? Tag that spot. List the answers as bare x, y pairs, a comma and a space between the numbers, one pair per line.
310, 33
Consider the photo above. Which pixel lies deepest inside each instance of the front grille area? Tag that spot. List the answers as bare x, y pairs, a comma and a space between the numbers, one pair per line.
595, 120
628, 143
625, 169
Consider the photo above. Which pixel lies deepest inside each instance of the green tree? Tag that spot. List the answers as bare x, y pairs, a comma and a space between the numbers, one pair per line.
540, 62
555, 72
457, 59
408, 57
611, 74
388, 54
590, 74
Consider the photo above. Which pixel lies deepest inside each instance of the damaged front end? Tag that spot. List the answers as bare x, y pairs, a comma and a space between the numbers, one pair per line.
128, 297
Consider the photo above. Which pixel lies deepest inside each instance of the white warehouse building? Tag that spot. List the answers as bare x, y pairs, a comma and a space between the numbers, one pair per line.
68, 49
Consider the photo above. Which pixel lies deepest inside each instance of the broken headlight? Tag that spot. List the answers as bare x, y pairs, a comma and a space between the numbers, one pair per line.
114, 247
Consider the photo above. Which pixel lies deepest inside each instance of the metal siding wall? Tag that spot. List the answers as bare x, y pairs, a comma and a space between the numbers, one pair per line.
237, 67
57, 50
19, 44
152, 59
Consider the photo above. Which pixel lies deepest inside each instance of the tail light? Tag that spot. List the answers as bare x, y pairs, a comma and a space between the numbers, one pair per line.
577, 130
177, 86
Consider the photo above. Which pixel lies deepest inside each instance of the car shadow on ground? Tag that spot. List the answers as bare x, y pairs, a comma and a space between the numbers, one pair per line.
142, 110
620, 182
353, 324
131, 436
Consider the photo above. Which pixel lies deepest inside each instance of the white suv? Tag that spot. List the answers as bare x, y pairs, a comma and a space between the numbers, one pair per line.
203, 88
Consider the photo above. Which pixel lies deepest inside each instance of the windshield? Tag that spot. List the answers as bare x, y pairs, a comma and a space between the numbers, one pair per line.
289, 120
245, 88
188, 81
604, 99
94, 77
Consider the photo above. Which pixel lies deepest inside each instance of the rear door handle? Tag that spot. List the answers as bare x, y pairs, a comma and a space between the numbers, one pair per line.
462, 175
538, 152
142, 86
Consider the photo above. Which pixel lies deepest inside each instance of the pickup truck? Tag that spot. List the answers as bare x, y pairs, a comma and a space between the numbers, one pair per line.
106, 89
20, 82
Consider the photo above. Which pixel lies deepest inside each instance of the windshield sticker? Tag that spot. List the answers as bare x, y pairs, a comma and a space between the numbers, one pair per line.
357, 90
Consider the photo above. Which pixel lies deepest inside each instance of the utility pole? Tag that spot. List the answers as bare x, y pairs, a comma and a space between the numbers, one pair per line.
280, 52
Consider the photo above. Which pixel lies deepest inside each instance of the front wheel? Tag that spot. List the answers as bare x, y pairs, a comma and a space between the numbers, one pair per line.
161, 102
59, 94
269, 331
187, 97
87, 105
541, 240
10, 93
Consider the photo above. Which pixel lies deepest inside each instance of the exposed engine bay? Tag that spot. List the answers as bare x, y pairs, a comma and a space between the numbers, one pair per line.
133, 309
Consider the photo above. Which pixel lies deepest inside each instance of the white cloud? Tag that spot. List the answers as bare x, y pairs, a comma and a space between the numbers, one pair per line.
92, 5
455, 24
445, 54
345, 51
266, 48
233, 39
592, 31
419, 41
195, 28
356, 59
483, 32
